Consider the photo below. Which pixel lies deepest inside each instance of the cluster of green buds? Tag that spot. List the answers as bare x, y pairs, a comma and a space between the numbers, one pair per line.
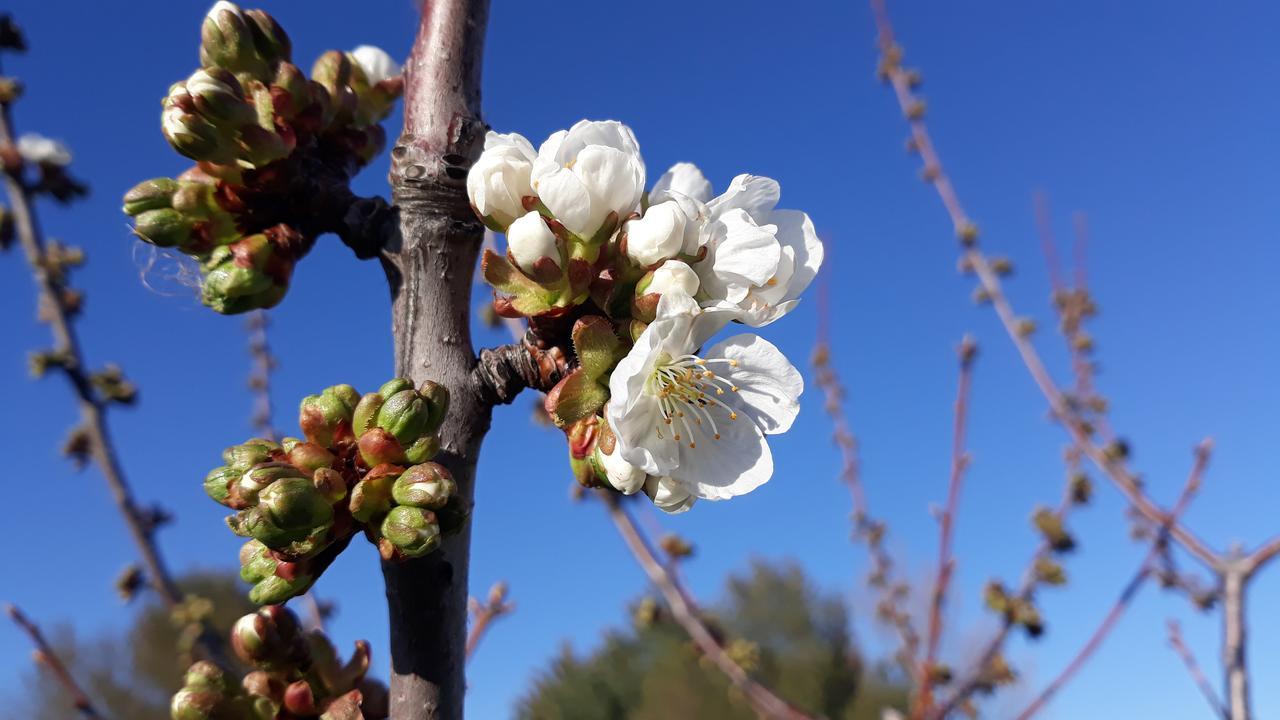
275, 152
296, 674
364, 464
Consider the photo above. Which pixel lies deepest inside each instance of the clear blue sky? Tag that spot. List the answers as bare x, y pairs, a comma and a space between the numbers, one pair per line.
1157, 119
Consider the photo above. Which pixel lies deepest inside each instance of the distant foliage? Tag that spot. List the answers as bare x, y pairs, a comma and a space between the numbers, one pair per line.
792, 637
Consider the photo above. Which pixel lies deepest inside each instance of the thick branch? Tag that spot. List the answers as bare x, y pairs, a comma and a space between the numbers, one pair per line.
46, 657
1234, 636
93, 420
430, 264
761, 698
503, 372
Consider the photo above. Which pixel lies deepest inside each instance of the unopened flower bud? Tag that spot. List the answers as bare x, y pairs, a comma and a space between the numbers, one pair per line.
260, 147
40, 150
294, 506
205, 675
253, 481
269, 637
274, 589
252, 273
412, 531
622, 475
249, 453
300, 699
668, 495
154, 194
219, 98
164, 227
194, 704
290, 91
194, 136
533, 248
498, 182
371, 496
656, 236
271, 41
264, 684
326, 417
428, 485
374, 63
256, 562
378, 447
227, 41
670, 276
217, 484
309, 457
330, 484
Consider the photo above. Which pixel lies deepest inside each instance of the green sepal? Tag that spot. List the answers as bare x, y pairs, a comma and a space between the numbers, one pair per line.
525, 296
596, 345
575, 397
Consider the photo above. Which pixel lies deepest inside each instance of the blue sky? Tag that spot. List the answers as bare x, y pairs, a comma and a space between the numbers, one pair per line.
1157, 119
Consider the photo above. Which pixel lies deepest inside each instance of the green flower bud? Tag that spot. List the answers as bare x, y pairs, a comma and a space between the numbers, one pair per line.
412, 531
300, 699
366, 413
268, 638
249, 274
227, 40
291, 505
290, 91
153, 194
219, 98
438, 396
271, 41
256, 562
217, 484
309, 457
274, 590
205, 675
330, 483
194, 704
422, 450
163, 227
247, 489
371, 496
194, 136
405, 415
264, 684
249, 453
378, 447
327, 417
428, 485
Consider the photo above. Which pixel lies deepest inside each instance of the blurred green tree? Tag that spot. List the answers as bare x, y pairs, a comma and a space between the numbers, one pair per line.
789, 635
133, 674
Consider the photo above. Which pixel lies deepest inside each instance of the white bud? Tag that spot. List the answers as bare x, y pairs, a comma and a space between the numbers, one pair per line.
529, 240
656, 236
41, 150
672, 275
499, 180
622, 475
223, 5
375, 63
668, 495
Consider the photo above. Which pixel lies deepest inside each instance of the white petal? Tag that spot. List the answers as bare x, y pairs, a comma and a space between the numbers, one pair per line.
745, 249
376, 64
796, 231
514, 141
633, 414
656, 236
668, 495
529, 239
684, 179
769, 386
566, 197
673, 276
610, 176
609, 133
736, 464
622, 475
757, 195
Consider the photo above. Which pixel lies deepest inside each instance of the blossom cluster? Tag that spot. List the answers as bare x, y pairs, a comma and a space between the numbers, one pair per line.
274, 151
296, 674
364, 465
640, 283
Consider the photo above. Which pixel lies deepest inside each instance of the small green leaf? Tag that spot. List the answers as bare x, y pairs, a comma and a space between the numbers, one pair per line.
596, 345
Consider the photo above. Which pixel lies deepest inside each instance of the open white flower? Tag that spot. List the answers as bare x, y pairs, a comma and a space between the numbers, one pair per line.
758, 259
499, 180
40, 150
587, 172
375, 63
700, 419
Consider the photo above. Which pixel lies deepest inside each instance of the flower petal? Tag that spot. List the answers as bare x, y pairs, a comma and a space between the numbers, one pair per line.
736, 464
566, 197
752, 193
745, 249
683, 179
796, 231
769, 386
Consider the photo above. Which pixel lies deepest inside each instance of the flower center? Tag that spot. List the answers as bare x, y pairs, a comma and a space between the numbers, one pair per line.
691, 395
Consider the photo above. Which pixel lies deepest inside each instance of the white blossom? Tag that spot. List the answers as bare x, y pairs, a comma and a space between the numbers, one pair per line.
41, 150
758, 259
585, 173
499, 179
672, 276
656, 236
375, 63
529, 240
699, 418
668, 495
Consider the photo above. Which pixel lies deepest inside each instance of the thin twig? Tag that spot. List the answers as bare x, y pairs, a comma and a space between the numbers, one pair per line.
761, 698
893, 595
483, 614
1130, 591
1193, 667
45, 656
946, 562
1113, 467
92, 409
263, 363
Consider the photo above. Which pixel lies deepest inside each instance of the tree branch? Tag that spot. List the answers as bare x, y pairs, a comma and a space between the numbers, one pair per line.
1130, 590
946, 563
45, 656
1193, 667
483, 614
761, 698
430, 263
93, 420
